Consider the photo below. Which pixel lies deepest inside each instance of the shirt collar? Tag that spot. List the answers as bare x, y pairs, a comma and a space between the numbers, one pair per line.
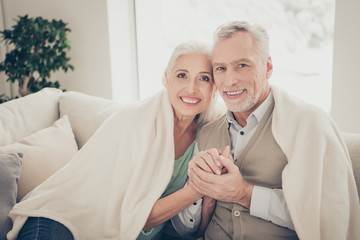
257, 114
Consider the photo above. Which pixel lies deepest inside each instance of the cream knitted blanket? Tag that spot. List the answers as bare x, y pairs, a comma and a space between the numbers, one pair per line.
108, 189
323, 203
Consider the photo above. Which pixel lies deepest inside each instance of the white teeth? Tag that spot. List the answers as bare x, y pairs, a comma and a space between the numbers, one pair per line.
189, 100
235, 93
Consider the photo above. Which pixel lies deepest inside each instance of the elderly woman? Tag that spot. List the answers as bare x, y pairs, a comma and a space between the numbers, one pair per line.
132, 172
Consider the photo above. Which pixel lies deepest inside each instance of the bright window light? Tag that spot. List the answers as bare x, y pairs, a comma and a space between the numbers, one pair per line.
301, 39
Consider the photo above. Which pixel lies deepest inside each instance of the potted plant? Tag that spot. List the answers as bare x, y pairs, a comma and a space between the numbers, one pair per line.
38, 48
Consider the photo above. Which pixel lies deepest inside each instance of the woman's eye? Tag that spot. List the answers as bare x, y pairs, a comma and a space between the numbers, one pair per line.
181, 75
205, 78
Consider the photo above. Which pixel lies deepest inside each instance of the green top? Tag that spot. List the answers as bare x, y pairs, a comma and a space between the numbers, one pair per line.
177, 181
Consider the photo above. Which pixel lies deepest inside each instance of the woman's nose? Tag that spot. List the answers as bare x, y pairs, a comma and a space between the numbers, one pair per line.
192, 86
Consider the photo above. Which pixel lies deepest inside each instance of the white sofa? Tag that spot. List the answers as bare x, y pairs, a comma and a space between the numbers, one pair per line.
35, 126
37, 112
24, 116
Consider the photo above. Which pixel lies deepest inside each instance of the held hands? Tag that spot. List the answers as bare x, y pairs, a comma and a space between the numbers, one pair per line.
214, 174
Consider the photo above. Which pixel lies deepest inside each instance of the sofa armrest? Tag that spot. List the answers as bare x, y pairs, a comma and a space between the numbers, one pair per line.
352, 141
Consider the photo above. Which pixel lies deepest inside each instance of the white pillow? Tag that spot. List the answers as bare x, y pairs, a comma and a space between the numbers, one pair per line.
23, 116
45, 152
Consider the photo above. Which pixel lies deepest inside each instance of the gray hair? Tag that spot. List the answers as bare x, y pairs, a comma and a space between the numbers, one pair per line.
260, 34
213, 109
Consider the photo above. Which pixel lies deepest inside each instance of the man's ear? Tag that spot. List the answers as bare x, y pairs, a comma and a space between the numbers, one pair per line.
269, 67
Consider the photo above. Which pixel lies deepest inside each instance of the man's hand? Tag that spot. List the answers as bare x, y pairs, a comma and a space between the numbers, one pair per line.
228, 187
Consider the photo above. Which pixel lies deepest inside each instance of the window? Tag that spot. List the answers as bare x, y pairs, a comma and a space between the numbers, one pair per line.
301, 39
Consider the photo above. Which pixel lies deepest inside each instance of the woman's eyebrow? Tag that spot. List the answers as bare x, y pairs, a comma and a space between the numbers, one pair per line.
181, 70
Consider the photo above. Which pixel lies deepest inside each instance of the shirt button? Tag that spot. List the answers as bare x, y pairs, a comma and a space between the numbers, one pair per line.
191, 220
194, 203
242, 133
236, 213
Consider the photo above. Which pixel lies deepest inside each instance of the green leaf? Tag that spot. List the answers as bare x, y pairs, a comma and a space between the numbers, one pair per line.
38, 46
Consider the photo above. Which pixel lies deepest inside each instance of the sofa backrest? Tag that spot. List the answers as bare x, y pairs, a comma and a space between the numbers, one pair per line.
86, 113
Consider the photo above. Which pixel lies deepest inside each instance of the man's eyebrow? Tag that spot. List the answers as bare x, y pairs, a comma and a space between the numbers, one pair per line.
217, 64
242, 60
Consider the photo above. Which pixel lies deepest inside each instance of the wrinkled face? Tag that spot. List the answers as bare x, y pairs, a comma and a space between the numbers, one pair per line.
241, 73
190, 84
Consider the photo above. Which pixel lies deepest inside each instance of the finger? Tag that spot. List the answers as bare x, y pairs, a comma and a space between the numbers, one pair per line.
208, 162
228, 164
198, 183
215, 153
199, 162
205, 176
195, 181
212, 160
226, 152
202, 162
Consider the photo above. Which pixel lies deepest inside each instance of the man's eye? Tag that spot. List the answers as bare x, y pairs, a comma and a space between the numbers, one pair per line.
181, 75
205, 78
242, 65
220, 69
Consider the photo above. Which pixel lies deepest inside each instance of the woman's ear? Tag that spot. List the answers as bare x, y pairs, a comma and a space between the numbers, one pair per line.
166, 79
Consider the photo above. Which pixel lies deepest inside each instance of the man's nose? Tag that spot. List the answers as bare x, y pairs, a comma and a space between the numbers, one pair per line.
231, 77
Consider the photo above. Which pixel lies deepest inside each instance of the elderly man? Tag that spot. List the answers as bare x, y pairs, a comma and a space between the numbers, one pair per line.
288, 164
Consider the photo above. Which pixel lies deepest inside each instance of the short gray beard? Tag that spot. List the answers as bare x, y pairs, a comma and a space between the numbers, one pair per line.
250, 102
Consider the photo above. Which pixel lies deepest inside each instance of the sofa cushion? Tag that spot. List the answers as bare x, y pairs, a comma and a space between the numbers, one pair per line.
20, 117
86, 113
45, 152
10, 167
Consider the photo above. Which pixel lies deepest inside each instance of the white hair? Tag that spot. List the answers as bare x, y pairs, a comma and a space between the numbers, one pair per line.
213, 109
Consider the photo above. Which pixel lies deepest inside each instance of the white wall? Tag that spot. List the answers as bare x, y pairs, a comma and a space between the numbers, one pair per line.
123, 54
346, 78
89, 40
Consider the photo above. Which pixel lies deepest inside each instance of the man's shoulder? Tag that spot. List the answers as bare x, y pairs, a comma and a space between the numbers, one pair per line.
290, 109
213, 125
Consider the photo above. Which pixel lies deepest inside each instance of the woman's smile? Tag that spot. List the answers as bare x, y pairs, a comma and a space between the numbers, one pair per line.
187, 100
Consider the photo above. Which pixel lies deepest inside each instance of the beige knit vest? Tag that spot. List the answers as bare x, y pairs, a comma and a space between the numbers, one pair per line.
261, 163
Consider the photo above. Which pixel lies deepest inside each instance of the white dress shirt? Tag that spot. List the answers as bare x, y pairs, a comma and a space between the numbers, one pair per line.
268, 204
